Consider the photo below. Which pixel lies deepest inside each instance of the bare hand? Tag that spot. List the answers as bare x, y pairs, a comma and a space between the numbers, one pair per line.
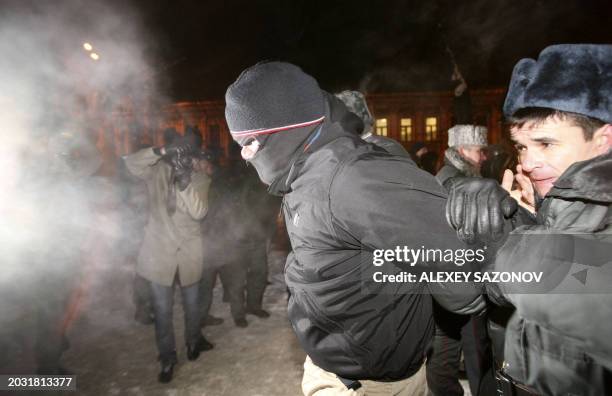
523, 193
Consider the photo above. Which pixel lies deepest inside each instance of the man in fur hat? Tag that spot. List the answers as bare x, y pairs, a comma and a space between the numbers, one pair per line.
459, 333
464, 155
557, 338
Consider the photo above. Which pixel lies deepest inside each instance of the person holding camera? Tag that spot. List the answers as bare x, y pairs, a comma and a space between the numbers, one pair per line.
177, 178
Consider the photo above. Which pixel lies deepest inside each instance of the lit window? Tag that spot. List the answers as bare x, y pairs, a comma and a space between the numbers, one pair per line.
381, 126
406, 129
431, 128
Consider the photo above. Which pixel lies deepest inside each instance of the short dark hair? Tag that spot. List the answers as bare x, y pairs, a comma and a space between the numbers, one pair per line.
537, 115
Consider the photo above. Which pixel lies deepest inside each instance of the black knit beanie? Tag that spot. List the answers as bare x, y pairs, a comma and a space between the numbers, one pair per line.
280, 106
272, 97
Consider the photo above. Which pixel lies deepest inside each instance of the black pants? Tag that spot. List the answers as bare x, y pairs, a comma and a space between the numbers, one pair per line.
453, 334
245, 270
256, 265
163, 302
233, 278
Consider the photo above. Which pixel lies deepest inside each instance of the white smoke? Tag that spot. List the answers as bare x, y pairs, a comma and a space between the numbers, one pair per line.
55, 95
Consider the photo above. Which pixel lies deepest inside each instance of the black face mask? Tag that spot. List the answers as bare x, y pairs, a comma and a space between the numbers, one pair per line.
278, 151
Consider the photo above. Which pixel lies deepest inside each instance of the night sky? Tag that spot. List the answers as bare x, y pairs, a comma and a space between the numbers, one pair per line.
200, 46
376, 46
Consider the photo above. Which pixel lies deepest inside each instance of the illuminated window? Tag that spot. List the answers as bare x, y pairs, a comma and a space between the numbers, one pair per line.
381, 126
431, 128
406, 129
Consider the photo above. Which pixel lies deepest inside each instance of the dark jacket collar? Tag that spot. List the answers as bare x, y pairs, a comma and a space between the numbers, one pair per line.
319, 137
590, 180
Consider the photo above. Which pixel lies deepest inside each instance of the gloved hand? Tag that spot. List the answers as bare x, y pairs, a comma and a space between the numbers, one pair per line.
478, 209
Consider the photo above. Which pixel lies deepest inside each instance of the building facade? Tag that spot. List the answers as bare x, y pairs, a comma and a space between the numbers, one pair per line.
406, 117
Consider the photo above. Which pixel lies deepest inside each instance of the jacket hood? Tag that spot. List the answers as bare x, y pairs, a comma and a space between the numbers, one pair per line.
590, 179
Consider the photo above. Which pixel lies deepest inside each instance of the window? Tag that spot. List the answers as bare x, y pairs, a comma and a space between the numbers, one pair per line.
381, 126
406, 129
431, 128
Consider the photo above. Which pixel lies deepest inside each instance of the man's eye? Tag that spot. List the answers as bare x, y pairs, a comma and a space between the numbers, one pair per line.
248, 142
520, 147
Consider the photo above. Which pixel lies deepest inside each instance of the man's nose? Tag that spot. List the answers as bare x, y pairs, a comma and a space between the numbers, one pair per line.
529, 161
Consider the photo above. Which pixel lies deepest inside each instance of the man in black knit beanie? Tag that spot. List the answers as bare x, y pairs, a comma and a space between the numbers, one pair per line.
343, 199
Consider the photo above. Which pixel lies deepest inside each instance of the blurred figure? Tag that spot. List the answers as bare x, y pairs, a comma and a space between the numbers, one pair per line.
259, 216
236, 237
64, 214
220, 231
498, 159
350, 109
135, 208
464, 155
417, 151
429, 162
177, 179
456, 333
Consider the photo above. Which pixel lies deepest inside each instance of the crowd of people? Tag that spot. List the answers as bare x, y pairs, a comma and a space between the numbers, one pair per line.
346, 193
345, 198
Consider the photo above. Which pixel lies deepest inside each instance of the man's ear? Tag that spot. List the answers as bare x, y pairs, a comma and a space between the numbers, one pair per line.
461, 151
603, 139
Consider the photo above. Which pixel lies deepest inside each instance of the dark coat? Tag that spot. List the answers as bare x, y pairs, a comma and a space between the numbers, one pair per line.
344, 199
558, 340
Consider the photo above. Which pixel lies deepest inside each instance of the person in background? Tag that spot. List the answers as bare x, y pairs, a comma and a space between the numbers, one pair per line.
464, 154
459, 333
177, 179
429, 162
417, 150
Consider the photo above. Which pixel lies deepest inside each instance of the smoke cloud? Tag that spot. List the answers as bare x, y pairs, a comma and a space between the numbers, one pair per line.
65, 68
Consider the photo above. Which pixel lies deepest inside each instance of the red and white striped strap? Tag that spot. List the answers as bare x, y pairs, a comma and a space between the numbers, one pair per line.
263, 131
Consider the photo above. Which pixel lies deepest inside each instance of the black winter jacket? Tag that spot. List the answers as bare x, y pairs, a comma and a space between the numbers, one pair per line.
558, 340
343, 200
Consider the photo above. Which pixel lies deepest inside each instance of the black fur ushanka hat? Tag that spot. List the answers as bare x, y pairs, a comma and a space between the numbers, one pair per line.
575, 78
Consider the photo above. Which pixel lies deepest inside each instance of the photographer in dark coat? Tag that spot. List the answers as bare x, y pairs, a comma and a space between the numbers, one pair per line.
557, 341
343, 199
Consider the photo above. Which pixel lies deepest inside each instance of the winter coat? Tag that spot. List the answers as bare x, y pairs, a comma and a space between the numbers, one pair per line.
343, 199
455, 166
558, 340
172, 242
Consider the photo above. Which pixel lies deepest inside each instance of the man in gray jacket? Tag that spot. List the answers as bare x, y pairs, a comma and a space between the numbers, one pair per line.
177, 179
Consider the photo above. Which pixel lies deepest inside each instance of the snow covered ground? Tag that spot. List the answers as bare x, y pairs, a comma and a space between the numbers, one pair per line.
111, 354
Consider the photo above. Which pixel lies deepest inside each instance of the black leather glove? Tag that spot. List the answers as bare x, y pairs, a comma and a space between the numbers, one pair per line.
478, 209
